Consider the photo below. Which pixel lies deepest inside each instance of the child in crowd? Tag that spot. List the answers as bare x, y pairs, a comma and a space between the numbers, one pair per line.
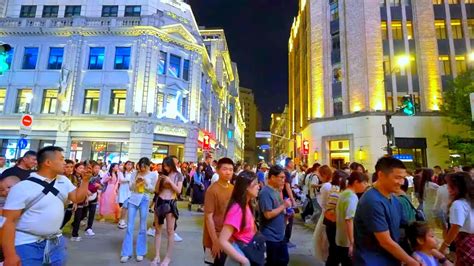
424, 244
5, 185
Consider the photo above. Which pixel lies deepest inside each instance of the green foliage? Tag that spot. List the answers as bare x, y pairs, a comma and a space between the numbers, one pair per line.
457, 107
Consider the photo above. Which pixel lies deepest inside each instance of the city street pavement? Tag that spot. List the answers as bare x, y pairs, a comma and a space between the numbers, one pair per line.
104, 247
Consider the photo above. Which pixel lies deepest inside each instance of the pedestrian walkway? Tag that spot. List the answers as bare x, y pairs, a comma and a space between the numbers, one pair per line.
104, 247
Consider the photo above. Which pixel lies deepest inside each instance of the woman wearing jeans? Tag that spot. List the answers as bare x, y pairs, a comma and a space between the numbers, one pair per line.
140, 183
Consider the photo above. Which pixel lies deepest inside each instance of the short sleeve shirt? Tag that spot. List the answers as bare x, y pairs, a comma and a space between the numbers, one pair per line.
234, 218
215, 201
462, 214
16, 171
345, 210
43, 218
273, 229
376, 213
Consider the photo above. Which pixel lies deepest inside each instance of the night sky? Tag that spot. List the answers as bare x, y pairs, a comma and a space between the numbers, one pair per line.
257, 33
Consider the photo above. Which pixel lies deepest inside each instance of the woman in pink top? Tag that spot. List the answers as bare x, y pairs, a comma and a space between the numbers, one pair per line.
239, 223
108, 207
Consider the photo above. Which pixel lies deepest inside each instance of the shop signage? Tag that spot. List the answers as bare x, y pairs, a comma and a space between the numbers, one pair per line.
174, 131
404, 157
26, 121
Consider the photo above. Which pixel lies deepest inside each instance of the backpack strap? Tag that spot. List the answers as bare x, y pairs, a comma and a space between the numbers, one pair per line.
47, 188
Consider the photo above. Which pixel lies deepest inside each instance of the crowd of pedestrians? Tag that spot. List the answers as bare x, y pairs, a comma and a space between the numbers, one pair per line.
392, 218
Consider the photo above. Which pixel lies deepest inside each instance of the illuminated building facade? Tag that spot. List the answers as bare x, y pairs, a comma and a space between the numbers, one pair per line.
114, 81
345, 73
250, 115
280, 143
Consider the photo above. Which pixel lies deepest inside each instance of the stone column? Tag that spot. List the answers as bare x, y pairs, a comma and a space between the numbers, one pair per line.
427, 55
191, 145
141, 140
63, 137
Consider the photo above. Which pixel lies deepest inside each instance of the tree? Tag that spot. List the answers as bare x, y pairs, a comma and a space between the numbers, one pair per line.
457, 107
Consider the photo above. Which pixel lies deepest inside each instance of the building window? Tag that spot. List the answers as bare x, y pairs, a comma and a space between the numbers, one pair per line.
9, 58
72, 11
397, 32
186, 70
30, 57
162, 64
122, 58
184, 106
50, 11
117, 103
50, 98
28, 12
409, 30
175, 66
470, 28
96, 57
437, 2
461, 66
337, 105
91, 102
395, 3
3, 95
334, 10
109, 11
386, 66
444, 65
55, 60
23, 100
451, 2
456, 28
440, 27
413, 66
160, 104
383, 27
133, 11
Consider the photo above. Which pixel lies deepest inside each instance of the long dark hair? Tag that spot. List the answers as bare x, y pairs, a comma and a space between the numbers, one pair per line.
143, 162
168, 161
112, 166
239, 194
339, 179
125, 166
426, 176
464, 184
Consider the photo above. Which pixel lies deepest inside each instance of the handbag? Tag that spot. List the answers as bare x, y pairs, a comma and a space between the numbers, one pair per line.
255, 249
419, 214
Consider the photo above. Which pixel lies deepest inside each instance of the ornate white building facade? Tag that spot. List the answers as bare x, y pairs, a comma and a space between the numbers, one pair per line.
115, 80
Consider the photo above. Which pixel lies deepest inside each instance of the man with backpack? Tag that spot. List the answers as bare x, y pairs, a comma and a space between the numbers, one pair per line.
34, 212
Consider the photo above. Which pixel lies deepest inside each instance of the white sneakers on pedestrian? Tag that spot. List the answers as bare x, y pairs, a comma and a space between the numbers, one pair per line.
139, 258
89, 232
151, 231
177, 238
76, 239
124, 259
122, 224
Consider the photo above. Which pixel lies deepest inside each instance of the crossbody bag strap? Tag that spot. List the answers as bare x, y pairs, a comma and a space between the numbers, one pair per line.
47, 188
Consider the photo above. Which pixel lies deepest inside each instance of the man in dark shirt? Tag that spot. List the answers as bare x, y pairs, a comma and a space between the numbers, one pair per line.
288, 194
379, 217
272, 209
23, 168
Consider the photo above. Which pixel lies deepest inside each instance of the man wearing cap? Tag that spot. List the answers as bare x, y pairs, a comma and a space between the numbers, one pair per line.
261, 174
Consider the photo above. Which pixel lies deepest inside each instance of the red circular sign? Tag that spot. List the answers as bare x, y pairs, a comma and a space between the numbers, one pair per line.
26, 120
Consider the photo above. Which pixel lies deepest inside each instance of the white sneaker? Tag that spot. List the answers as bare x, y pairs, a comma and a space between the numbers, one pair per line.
89, 232
122, 224
124, 259
76, 239
177, 238
151, 232
139, 258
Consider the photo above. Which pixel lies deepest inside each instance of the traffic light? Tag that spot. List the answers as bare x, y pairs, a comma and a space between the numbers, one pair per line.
4, 49
305, 147
408, 105
206, 142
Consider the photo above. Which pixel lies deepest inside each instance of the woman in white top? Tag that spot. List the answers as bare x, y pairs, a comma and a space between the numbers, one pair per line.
124, 191
440, 207
427, 194
168, 187
461, 217
142, 183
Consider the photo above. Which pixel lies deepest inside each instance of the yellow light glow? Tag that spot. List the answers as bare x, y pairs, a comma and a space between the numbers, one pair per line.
471, 56
356, 108
403, 61
278, 118
302, 5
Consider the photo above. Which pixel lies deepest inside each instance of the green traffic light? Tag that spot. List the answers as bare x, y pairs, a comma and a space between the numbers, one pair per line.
408, 106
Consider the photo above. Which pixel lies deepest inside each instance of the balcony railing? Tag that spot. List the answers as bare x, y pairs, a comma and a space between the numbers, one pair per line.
80, 22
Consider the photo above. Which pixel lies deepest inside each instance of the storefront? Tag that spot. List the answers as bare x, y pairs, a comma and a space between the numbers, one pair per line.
412, 151
339, 152
109, 152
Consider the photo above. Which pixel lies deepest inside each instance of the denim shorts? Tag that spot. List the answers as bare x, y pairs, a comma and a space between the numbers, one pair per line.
31, 254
